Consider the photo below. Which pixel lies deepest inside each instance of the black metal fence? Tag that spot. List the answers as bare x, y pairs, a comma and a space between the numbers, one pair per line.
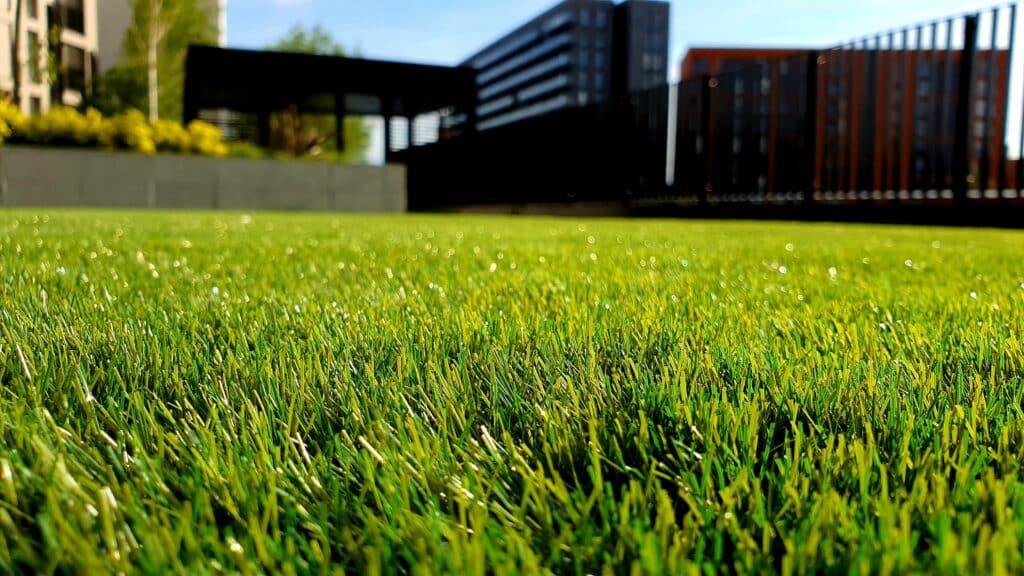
916, 115
612, 151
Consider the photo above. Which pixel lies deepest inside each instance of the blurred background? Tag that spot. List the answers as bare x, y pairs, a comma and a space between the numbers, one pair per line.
740, 101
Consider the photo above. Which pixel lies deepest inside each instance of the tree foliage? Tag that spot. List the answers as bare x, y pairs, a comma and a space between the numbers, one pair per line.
119, 89
165, 29
316, 40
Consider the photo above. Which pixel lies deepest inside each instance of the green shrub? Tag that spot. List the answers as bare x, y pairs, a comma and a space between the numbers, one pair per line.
101, 130
128, 131
207, 139
12, 121
171, 137
67, 127
134, 132
246, 150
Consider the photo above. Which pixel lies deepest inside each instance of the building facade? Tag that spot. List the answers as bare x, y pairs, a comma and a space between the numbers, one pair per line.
578, 52
56, 52
641, 43
885, 120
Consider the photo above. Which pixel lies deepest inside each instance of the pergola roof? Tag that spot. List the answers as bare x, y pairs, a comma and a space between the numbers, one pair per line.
258, 81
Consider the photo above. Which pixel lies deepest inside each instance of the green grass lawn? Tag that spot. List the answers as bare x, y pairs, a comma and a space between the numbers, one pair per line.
307, 394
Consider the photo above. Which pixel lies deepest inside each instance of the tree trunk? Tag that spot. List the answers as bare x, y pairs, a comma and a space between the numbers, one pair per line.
16, 55
153, 42
154, 91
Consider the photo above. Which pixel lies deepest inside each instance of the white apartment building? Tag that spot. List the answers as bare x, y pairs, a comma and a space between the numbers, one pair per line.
43, 86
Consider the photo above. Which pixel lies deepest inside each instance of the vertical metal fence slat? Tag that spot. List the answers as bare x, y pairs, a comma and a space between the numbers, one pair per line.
808, 149
985, 167
962, 142
888, 58
948, 99
900, 106
1002, 184
706, 142
910, 117
935, 99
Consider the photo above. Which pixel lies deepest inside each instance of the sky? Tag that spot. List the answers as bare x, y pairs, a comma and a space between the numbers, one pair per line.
448, 31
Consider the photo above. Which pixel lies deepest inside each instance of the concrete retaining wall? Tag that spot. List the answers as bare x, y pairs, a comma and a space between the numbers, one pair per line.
62, 177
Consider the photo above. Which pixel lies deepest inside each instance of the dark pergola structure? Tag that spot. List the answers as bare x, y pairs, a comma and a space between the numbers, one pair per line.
260, 83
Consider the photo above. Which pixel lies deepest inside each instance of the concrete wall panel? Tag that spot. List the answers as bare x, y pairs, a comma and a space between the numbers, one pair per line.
63, 177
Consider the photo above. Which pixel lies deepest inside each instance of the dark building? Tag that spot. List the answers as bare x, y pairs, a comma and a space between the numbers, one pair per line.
579, 52
885, 119
640, 60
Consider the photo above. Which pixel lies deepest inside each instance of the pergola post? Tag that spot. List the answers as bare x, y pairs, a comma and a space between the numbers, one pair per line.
263, 128
387, 136
339, 121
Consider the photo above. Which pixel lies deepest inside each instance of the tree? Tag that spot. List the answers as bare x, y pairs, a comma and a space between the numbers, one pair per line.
156, 43
301, 133
121, 88
317, 40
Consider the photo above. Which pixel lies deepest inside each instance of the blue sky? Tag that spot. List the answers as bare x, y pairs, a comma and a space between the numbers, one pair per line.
446, 31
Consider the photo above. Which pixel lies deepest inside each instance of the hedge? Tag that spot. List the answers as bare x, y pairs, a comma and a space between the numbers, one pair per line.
128, 131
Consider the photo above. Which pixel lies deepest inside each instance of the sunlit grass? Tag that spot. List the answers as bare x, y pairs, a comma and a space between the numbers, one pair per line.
207, 393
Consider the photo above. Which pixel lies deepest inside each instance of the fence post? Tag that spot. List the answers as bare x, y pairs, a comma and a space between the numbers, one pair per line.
985, 169
962, 142
810, 127
705, 135
1004, 153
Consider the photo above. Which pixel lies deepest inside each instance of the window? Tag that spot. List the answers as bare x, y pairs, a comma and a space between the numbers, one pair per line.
74, 78
585, 17
601, 19
32, 8
73, 15
34, 51
35, 106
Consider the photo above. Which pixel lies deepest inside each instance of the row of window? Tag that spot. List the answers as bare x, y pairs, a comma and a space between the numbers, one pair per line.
539, 89
556, 43
535, 71
537, 109
599, 20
